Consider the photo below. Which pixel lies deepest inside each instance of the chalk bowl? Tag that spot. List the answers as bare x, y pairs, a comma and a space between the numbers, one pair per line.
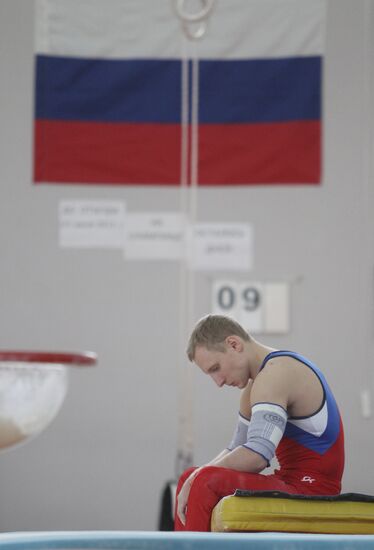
33, 386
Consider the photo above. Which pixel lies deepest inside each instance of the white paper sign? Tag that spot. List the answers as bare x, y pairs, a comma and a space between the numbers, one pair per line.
220, 246
259, 307
277, 308
155, 236
91, 223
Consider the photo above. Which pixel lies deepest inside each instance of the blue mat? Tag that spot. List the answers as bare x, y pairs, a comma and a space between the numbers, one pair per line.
146, 540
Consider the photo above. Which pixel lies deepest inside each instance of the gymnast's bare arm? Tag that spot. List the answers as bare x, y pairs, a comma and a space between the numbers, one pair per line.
270, 386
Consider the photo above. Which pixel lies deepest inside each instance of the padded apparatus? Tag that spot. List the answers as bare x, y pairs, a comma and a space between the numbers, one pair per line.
349, 513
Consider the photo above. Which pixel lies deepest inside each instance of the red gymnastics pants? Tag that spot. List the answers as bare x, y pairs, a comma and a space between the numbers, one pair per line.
212, 484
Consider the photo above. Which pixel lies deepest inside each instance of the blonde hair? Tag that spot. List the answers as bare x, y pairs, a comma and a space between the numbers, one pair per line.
211, 332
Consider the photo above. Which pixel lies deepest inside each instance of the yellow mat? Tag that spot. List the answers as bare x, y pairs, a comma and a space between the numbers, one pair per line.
273, 511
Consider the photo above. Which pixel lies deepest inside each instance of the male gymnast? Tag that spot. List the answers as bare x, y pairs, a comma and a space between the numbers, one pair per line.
286, 407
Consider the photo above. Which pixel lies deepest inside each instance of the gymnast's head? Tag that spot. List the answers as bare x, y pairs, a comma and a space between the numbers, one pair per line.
218, 346
211, 333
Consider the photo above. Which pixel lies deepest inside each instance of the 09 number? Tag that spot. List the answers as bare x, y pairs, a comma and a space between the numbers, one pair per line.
249, 296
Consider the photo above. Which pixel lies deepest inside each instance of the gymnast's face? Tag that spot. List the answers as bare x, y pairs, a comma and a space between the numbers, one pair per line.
226, 368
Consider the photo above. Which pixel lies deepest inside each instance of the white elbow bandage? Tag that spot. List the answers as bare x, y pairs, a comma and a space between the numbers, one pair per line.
240, 434
266, 429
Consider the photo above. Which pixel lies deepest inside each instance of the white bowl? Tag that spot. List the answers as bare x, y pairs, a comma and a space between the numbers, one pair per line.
31, 394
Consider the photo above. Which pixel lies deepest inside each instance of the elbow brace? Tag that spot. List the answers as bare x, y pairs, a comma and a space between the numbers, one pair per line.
266, 429
240, 433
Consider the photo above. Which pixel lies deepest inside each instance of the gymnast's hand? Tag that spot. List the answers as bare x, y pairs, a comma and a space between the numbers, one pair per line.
182, 500
183, 496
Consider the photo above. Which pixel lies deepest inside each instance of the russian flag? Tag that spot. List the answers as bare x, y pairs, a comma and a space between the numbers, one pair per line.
108, 93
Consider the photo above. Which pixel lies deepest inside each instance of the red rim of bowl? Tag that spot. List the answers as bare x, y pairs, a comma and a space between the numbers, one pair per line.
79, 359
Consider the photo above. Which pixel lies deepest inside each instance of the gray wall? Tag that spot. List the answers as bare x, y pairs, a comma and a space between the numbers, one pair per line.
104, 460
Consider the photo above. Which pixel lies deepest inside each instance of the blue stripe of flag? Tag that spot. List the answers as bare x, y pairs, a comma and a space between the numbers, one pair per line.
149, 90
261, 90
107, 90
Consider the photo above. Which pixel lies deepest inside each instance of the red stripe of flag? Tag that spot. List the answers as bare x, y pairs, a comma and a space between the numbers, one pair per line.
85, 152
260, 153
149, 154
